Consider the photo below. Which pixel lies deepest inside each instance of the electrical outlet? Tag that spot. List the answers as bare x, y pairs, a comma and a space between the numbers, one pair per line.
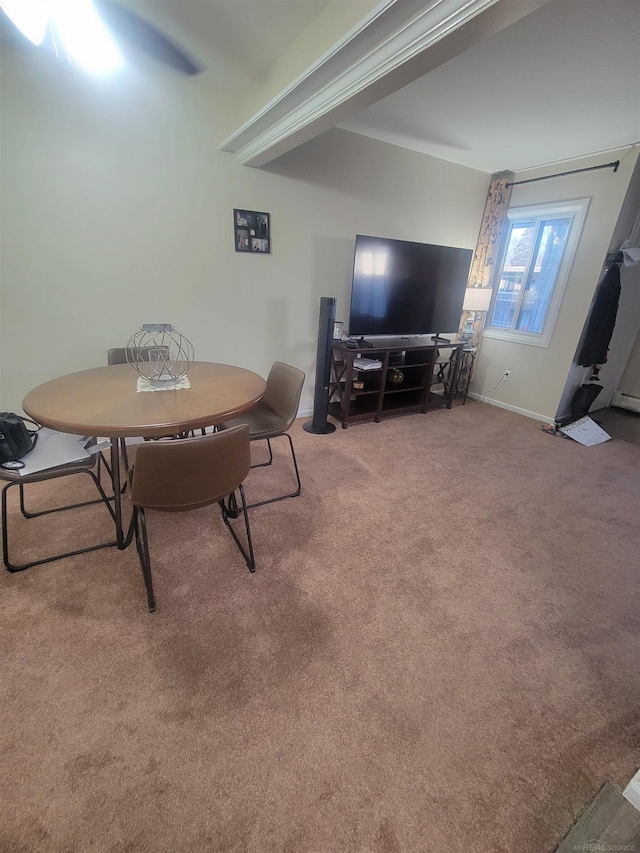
506, 375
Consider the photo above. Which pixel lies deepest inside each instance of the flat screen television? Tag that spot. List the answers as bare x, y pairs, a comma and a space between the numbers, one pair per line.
401, 288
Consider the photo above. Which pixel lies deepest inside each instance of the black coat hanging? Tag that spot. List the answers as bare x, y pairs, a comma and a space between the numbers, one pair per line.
602, 320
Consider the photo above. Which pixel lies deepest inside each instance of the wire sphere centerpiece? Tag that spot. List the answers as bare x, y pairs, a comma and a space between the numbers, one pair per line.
160, 354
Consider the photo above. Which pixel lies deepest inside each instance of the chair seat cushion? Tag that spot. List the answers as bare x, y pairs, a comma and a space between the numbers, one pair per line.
263, 422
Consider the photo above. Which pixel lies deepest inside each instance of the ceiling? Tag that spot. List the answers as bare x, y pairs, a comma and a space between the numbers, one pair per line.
238, 41
561, 82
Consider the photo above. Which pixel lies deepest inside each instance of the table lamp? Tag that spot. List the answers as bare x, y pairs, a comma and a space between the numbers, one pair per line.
475, 299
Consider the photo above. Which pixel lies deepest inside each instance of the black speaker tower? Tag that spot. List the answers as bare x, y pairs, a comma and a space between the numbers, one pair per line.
319, 425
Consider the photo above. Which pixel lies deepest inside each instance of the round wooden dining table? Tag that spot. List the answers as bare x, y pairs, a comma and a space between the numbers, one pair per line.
104, 401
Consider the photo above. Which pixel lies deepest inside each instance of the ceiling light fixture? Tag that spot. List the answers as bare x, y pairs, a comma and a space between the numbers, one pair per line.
31, 17
73, 23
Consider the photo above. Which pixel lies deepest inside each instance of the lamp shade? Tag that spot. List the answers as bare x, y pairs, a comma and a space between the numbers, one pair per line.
477, 299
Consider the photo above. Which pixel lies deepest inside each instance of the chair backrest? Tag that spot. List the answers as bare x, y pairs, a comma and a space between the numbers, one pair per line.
192, 472
118, 355
284, 387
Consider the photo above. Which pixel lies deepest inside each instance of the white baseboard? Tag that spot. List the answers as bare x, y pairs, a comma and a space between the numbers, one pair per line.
535, 415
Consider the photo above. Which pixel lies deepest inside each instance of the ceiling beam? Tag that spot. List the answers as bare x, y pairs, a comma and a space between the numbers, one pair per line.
398, 42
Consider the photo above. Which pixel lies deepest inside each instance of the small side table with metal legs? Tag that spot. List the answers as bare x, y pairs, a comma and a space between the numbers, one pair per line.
466, 371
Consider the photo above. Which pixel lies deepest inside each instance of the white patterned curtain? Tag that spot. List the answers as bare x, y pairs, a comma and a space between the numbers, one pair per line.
484, 259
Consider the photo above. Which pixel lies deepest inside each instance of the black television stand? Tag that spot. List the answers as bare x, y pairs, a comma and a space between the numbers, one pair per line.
440, 340
402, 382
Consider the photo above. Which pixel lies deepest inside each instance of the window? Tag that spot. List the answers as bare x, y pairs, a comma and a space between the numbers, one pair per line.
537, 252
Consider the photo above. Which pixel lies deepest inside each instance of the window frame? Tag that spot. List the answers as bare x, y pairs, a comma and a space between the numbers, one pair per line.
576, 210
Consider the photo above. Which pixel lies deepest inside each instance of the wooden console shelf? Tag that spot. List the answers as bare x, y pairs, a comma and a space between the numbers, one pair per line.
402, 384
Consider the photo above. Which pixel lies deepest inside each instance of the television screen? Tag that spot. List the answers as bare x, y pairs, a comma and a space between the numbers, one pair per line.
404, 288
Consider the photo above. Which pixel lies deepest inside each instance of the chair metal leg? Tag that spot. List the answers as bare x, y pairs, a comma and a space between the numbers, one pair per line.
5, 526
104, 498
142, 544
138, 526
269, 461
101, 461
292, 494
247, 553
230, 506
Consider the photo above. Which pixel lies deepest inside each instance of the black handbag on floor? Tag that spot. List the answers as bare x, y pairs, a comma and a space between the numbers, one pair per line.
15, 439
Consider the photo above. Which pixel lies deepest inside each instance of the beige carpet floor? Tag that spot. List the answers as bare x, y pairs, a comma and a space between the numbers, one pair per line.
439, 652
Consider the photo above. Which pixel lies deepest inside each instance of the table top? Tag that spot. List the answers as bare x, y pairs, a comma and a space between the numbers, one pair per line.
104, 401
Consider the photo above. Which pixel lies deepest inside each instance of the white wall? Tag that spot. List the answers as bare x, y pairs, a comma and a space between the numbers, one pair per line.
538, 374
116, 209
629, 387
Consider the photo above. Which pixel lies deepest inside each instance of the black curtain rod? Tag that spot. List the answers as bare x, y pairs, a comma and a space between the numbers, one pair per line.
613, 166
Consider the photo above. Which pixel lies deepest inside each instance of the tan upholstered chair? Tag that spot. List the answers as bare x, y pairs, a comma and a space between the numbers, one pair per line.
13, 478
177, 476
273, 416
